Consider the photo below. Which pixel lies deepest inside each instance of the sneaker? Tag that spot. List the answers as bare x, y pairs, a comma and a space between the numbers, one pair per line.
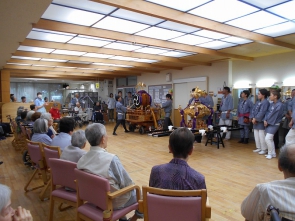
262, 152
257, 150
126, 131
114, 133
269, 156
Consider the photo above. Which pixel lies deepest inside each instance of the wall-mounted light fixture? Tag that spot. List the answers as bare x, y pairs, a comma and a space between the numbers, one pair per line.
252, 85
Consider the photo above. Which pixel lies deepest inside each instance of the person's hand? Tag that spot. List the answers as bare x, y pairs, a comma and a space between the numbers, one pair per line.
21, 214
254, 121
265, 123
291, 124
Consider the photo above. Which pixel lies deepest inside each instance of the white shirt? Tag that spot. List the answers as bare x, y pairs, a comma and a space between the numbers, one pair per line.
62, 140
72, 154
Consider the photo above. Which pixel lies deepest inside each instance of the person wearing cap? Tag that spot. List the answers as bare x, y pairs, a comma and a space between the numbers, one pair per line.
121, 110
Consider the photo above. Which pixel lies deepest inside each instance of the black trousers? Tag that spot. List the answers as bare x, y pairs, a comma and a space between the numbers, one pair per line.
167, 122
6, 127
276, 139
120, 122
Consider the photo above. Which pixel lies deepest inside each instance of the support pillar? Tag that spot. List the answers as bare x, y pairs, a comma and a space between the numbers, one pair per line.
5, 86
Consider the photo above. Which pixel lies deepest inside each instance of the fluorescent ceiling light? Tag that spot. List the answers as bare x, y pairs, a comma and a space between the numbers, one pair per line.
67, 52
136, 17
285, 10
88, 42
149, 50
43, 36
80, 62
53, 60
41, 65
113, 65
123, 58
256, 20
159, 33
278, 30
65, 67
95, 38
95, 55
177, 27
86, 68
216, 45
19, 64
236, 40
146, 60
190, 40
120, 25
71, 15
182, 5
35, 49
175, 54
125, 47
264, 4
87, 5
25, 58
210, 34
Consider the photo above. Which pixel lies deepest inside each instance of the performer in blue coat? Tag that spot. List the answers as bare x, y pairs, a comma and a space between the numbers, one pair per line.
121, 110
257, 115
244, 109
226, 106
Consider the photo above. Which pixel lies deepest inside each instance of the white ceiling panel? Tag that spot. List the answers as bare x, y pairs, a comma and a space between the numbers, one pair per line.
136, 17
67, 52
71, 15
210, 34
146, 60
278, 30
120, 46
216, 45
35, 49
123, 58
175, 54
41, 65
150, 50
95, 55
120, 25
79, 62
88, 41
256, 20
183, 5
236, 40
191, 39
53, 60
177, 27
26, 58
19, 64
44, 36
264, 3
159, 33
286, 10
66, 67
113, 65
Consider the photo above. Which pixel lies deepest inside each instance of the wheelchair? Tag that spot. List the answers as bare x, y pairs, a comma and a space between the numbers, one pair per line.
79, 121
97, 117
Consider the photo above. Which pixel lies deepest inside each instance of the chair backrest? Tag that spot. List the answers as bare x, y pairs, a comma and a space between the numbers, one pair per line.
174, 205
51, 152
35, 151
92, 188
24, 133
29, 132
62, 172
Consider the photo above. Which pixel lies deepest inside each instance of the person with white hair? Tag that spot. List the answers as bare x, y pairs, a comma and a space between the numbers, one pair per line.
51, 132
40, 132
75, 151
7, 213
80, 112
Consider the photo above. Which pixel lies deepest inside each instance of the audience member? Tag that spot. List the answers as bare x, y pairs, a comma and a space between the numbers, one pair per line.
128, 101
55, 113
80, 112
177, 174
51, 132
98, 161
75, 151
23, 117
40, 132
11, 97
35, 116
278, 193
46, 99
98, 112
75, 100
66, 128
111, 106
30, 113
24, 99
40, 104
7, 213
18, 113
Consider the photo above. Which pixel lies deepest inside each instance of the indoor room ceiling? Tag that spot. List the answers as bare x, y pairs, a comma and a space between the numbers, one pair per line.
104, 39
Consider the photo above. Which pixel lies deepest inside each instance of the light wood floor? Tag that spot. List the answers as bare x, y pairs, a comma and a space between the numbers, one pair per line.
230, 172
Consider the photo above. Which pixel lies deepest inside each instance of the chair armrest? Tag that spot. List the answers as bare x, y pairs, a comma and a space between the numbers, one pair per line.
208, 209
125, 190
140, 206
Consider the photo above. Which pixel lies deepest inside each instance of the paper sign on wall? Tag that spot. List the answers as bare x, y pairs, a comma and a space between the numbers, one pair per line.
97, 85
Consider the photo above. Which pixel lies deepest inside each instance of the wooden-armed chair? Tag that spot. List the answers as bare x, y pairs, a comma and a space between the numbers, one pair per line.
62, 174
96, 191
17, 142
174, 205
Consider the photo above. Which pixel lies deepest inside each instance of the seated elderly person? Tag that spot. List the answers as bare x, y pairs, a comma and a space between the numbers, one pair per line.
54, 111
278, 193
80, 112
98, 161
7, 213
40, 129
51, 132
31, 112
177, 174
66, 128
74, 152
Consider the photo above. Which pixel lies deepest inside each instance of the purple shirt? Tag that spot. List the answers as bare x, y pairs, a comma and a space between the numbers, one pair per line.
176, 175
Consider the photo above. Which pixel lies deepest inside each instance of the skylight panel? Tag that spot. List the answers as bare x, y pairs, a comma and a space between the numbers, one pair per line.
25, 58
216, 45
190, 40
159, 33
210, 34
264, 4
66, 67
95, 38
41, 65
88, 42
19, 64
177, 27
175, 54
183, 5
256, 20
123, 58
35, 49
285, 10
95, 55
278, 30
53, 60
43, 36
71, 15
113, 65
146, 60
67, 52
236, 40
150, 50
221, 11
87, 5
120, 46
120, 25
53, 32
79, 62
136, 17
86, 68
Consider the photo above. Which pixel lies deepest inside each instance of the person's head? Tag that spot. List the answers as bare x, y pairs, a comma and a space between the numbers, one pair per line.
275, 95
12, 97
78, 104
6, 211
286, 161
262, 94
19, 111
245, 94
293, 93
129, 94
78, 139
55, 105
118, 98
46, 99
96, 135
24, 99
67, 125
39, 95
35, 116
111, 95
40, 126
48, 117
181, 142
23, 115
97, 103
168, 97
33, 107
193, 89
120, 93
226, 90
76, 95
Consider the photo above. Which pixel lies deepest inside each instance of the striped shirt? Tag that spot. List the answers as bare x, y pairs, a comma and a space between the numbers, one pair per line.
278, 193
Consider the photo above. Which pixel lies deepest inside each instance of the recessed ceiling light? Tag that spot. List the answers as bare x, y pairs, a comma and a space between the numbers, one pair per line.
35, 49
25, 58
182, 5
159, 33
190, 39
